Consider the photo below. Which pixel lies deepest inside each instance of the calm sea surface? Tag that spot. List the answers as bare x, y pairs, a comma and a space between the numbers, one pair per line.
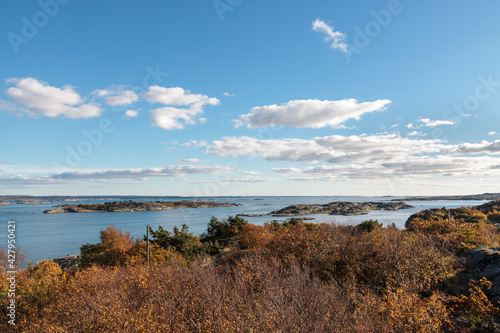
47, 236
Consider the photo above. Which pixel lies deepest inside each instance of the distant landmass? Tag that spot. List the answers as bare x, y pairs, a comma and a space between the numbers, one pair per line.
135, 206
484, 196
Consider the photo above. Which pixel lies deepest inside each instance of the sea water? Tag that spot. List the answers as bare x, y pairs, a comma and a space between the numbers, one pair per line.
47, 236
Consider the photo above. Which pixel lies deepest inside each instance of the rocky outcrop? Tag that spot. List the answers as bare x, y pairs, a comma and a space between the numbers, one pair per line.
134, 206
474, 214
4, 204
339, 208
478, 263
68, 263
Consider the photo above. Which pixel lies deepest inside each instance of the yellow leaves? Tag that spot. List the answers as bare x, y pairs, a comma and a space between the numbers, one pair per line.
409, 312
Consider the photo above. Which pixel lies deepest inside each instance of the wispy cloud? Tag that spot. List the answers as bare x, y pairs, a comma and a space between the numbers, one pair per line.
337, 38
309, 113
117, 96
172, 171
434, 123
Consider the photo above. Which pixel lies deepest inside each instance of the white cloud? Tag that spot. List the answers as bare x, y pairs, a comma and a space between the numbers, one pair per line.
310, 113
172, 117
286, 171
433, 123
177, 96
250, 173
492, 133
485, 147
189, 160
117, 96
2, 162
334, 149
416, 133
226, 94
131, 113
337, 38
373, 158
410, 125
44, 100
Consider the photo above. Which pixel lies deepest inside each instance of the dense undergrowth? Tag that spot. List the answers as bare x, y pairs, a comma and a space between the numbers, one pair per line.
280, 277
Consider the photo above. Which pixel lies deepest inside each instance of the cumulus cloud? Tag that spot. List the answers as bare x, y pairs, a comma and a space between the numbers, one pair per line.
485, 147
226, 94
42, 99
492, 133
131, 113
337, 38
117, 96
414, 166
286, 171
416, 133
434, 123
310, 113
177, 96
173, 117
334, 149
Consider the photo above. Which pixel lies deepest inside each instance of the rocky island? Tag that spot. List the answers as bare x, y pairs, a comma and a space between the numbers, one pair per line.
135, 206
339, 208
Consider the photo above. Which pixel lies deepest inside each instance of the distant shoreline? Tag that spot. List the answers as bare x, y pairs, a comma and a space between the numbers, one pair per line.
485, 196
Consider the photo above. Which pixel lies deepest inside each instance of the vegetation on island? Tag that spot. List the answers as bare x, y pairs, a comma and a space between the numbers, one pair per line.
134, 206
290, 276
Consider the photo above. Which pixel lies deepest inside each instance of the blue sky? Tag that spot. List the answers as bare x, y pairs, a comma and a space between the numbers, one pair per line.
235, 97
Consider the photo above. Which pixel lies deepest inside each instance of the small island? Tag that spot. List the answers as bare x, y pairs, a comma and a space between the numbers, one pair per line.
335, 208
135, 206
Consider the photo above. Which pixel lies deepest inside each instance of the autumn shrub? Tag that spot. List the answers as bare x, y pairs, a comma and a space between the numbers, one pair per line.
477, 308
254, 236
459, 235
110, 251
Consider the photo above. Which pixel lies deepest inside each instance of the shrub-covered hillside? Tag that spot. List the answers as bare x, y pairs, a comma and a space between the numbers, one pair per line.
280, 277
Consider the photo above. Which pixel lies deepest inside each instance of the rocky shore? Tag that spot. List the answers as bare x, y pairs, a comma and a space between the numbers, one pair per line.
339, 208
478, 263
68, 263
135, 206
